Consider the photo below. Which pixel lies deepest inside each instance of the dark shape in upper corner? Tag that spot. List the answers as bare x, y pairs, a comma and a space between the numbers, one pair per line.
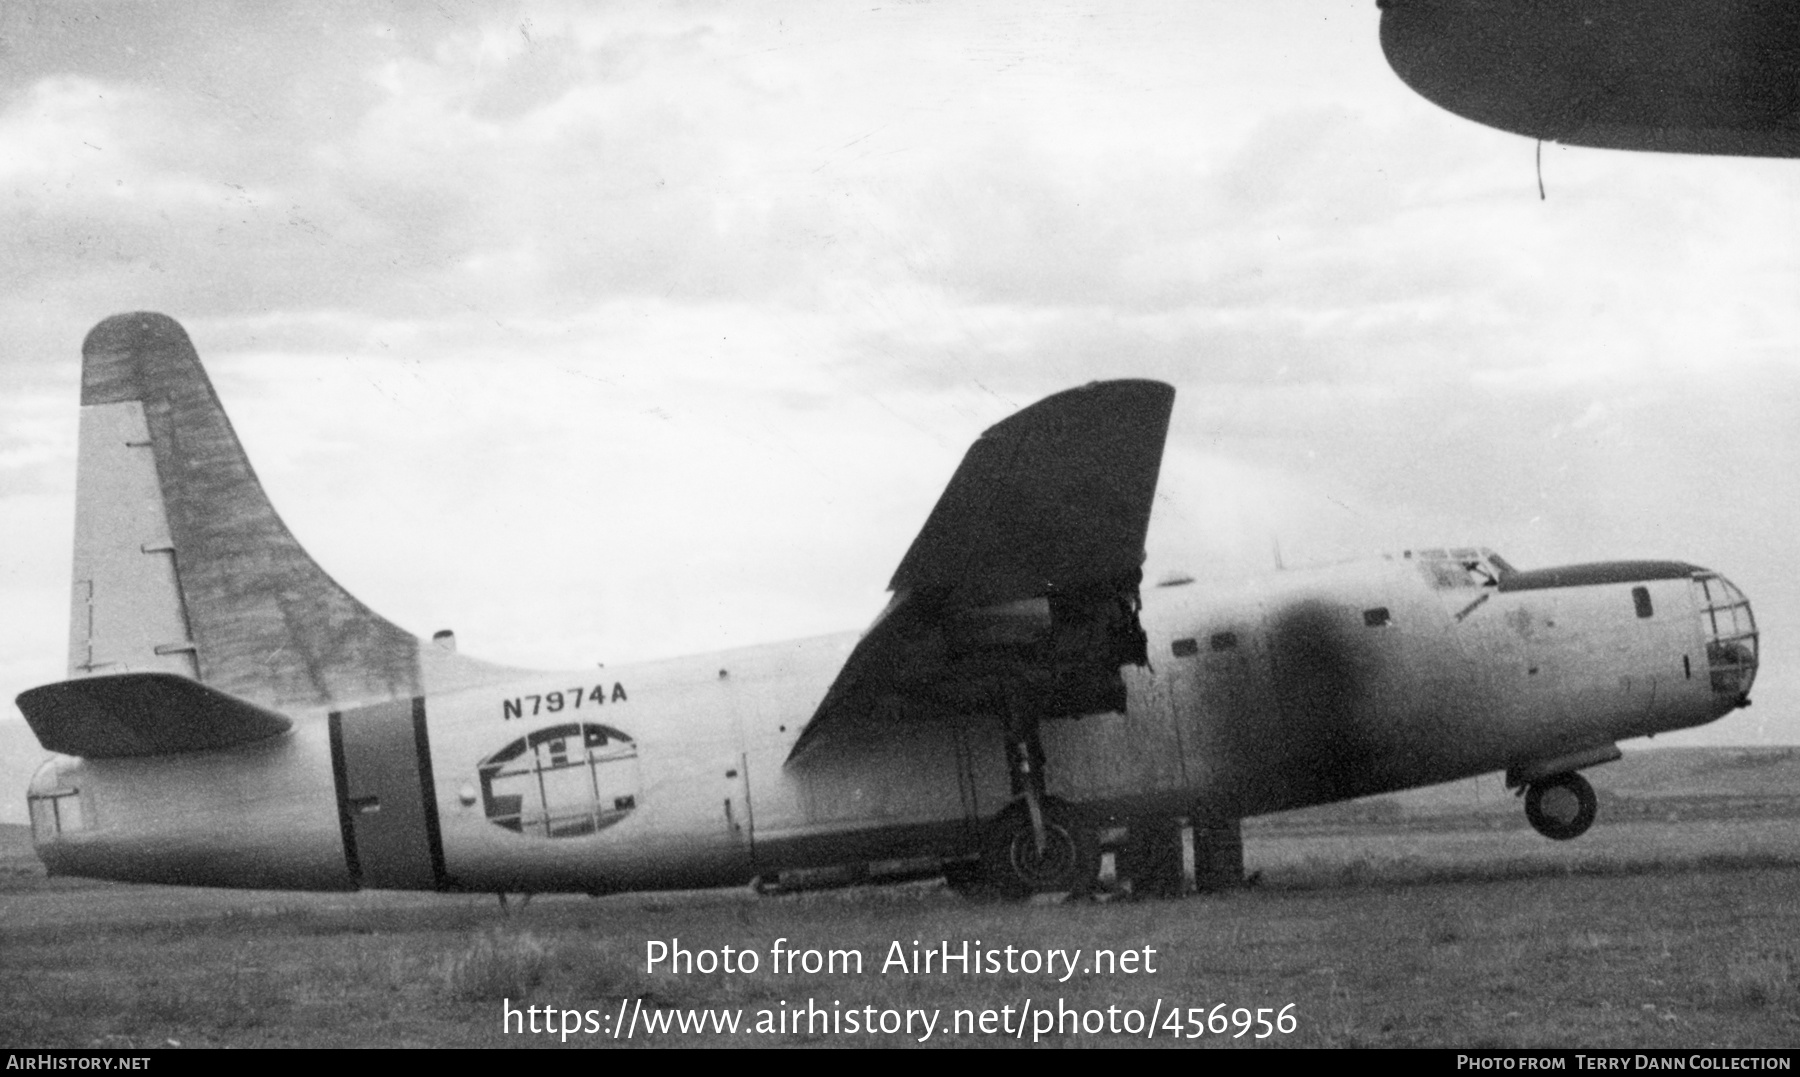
1675, 76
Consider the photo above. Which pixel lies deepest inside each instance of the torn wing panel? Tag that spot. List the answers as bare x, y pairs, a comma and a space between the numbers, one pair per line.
1024, 579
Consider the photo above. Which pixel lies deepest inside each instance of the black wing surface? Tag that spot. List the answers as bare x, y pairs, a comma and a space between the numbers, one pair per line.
1671, 76
1024, 580
135, 714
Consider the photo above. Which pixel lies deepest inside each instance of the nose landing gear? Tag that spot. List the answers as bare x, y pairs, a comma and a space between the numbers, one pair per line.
1561, 806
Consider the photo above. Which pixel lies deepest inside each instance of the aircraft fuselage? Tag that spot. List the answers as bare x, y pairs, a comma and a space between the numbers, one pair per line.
1292, 689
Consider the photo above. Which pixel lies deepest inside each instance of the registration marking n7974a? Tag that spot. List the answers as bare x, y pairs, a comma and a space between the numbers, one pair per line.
557, 702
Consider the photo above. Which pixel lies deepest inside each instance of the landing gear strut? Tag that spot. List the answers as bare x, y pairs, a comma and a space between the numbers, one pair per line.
1039, 845
1561, 806
1025, 758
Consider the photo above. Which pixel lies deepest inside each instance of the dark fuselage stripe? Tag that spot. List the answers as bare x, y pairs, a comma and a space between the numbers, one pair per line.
1598, 573
428, 789
339, 780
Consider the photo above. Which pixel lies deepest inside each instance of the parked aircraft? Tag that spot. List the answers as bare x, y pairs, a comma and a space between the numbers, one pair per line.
1680, 76
233, 717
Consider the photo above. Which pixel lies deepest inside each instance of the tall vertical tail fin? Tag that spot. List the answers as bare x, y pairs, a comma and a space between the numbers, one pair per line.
181, 563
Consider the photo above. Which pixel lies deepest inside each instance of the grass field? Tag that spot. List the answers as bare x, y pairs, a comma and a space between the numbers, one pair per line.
1431, 918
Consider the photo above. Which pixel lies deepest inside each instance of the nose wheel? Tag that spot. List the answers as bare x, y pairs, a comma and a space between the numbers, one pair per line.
1561, 806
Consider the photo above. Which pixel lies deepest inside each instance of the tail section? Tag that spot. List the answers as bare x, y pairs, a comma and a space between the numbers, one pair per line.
181, 564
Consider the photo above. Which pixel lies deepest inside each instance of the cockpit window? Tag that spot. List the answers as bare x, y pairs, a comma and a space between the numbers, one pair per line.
1460, 567
1731, 645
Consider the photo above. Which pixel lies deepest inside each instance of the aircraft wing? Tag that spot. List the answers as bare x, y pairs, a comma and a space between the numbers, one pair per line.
1025, 578
1676, 76
133, 714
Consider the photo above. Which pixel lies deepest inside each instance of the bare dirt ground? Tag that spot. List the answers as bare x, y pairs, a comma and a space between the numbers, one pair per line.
1433, 918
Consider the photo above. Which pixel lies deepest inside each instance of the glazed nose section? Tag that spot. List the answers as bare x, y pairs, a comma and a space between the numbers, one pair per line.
1731, 639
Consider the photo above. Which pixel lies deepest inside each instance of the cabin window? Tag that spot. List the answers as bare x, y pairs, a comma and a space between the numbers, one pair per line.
1640, 597
1183, 648
1445, 574
1224, 641
43, 818
1376, 617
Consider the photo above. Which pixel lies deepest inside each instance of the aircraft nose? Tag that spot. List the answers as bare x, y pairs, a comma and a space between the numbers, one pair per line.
1731, 639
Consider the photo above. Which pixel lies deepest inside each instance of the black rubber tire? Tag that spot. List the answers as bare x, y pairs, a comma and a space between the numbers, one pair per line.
1013, 867
1561, 806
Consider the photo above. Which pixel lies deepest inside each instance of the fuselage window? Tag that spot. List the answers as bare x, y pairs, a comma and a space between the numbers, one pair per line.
1185, 647
1223, 641
1640, 597
1460, 568
1376, 617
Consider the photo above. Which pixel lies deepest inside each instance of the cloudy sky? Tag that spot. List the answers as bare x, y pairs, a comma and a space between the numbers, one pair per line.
611, 332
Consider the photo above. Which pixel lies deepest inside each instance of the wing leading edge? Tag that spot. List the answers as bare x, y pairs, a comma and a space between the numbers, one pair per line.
1021, 590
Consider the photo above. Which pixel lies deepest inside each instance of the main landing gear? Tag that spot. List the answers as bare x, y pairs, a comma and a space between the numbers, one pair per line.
1016, 863
1049, 851
1159, 856
1039, 845
1561, 806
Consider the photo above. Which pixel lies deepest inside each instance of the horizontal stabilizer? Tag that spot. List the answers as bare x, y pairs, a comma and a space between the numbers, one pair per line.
135, 714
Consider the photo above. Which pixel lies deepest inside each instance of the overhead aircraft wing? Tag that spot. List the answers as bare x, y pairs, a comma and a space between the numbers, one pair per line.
1024, 580
1676, 76
133, 714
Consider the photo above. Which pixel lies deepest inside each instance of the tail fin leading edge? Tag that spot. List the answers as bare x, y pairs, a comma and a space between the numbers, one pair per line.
181, 563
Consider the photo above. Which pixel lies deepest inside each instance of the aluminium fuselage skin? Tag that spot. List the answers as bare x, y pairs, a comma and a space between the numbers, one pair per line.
1291, 689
